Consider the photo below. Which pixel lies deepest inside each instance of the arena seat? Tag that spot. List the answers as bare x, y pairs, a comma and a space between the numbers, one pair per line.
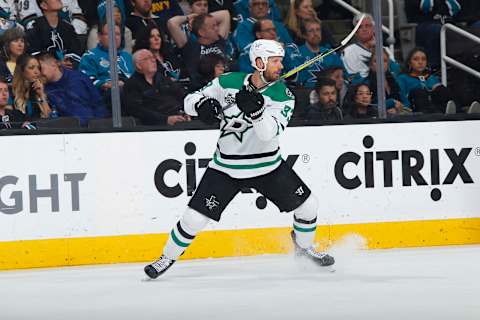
58, 123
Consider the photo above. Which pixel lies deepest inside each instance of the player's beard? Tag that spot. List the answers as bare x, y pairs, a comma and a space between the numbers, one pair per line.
270, 76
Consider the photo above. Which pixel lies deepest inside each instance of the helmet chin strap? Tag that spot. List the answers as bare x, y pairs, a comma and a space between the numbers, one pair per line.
263, 78
262, 70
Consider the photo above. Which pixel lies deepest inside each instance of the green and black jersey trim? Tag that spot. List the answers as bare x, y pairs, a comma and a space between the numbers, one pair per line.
246, 166
279, 125
247, 156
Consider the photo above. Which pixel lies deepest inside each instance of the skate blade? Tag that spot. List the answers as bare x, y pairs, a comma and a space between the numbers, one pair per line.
307, 264
147, 279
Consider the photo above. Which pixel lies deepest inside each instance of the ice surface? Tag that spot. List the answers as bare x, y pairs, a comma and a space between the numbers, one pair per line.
407, 284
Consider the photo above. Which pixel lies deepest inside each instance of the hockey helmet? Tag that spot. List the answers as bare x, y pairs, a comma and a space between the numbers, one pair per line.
265, 49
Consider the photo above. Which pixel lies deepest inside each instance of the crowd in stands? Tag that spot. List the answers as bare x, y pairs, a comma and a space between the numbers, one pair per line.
55, 62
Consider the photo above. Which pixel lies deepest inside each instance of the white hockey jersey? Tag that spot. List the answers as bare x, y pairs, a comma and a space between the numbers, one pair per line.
9, 9
27, 10
7, 15
356, 58
246, 149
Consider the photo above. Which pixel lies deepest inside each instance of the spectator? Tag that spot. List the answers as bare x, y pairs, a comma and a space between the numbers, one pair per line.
243, 9
70, 12
219, 5
357, 55
28, 89
209, 40
265, 29
9, 117
259, 9
393, 97
198, 6
142, 17
119, 16
52, 34
311, 30
167, 63
70, 92
334, 73
95, 63
299, 12
210, 67
180, 26
327, 106
90, 10
161, 9
358, 102
13, 44
430, 16
7, 16
150, 96
422, 90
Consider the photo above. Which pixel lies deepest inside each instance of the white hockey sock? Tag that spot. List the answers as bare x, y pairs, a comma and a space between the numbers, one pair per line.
304, 231
305, 222
184, 232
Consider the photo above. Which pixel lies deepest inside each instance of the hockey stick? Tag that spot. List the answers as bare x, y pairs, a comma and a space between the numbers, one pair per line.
309, 62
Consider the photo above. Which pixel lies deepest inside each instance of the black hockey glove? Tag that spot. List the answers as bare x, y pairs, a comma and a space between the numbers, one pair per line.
250, 102
208, 110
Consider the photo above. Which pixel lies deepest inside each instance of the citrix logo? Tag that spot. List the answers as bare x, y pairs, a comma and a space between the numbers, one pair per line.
191, 175
409, 171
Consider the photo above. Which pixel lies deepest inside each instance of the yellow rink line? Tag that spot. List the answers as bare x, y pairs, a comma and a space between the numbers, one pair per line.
135, 248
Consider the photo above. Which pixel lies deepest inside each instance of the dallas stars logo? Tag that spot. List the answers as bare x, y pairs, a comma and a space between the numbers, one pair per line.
237, 125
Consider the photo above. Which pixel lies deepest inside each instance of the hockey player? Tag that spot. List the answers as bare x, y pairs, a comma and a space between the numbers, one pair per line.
247, 155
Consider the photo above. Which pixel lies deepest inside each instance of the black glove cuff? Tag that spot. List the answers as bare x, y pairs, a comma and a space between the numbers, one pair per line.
257, 114
199, 103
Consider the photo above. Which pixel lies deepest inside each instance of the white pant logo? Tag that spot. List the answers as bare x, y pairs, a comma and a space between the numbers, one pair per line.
211, 203
299, 191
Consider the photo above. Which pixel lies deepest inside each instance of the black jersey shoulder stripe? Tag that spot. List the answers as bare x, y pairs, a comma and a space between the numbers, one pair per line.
247, 156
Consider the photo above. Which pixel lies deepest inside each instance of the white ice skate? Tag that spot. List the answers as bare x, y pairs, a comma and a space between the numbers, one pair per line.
155, 269
321, 258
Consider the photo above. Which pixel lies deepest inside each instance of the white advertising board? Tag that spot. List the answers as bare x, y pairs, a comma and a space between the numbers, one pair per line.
82, 185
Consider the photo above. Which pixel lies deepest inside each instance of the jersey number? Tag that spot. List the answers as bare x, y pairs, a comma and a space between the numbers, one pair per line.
286, 112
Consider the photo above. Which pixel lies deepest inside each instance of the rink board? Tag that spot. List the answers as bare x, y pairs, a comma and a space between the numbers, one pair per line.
113, 197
